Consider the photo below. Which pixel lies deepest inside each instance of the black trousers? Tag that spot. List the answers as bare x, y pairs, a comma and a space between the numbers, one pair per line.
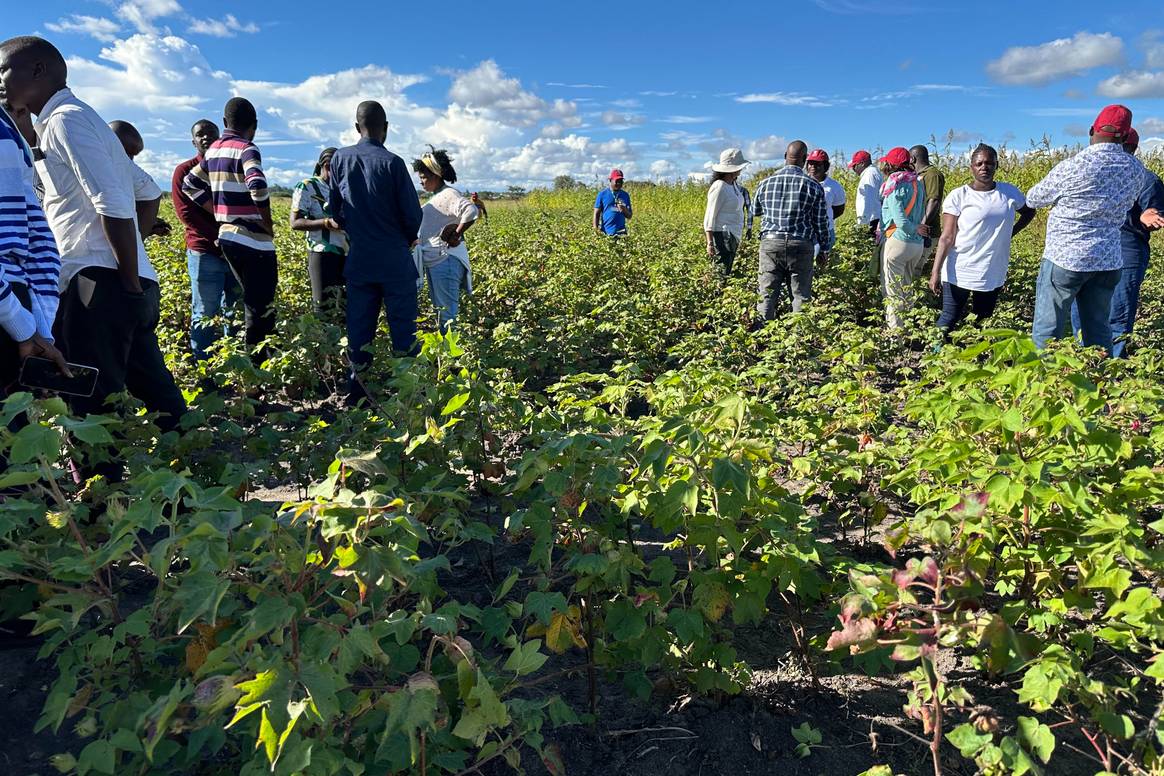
958, 302
258, 274
326, 270
103, 325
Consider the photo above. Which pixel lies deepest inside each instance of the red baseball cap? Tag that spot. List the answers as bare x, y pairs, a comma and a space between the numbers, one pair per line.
1114, 120
819, 155
896, 156
1132, 139
615, 174
860, 157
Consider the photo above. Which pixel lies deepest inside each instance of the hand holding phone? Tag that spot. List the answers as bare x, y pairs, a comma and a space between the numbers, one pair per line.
74, 379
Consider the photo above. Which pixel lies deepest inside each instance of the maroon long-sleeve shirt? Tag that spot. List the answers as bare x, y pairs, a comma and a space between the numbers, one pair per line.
201, 228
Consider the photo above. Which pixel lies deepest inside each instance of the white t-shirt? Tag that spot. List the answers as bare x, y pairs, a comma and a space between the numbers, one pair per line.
981, 253
869, 196
834, 195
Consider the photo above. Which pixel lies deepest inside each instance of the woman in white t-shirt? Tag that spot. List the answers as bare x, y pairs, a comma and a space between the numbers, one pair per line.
441, 251
978, 221
723, 220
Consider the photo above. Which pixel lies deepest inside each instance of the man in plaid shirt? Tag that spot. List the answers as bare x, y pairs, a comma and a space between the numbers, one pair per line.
793, 218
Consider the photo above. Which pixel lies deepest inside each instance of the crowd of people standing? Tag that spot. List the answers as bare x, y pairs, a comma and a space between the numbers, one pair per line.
1105, 205
76, 282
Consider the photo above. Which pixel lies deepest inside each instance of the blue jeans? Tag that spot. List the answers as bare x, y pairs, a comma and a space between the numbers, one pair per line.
213, 290
1057, 289
444, 289
1125, 303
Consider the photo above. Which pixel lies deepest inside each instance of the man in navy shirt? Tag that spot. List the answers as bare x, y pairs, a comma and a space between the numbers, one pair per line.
612, 207
1135, 235
373, 199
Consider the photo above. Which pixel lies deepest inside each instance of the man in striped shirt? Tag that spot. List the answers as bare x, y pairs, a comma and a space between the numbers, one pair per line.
229, 182
29, 265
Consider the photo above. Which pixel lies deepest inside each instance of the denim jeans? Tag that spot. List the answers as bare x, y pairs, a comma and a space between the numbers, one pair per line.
1057, 289
785, 262
363, 315
444, 289
1125, 303
213, 291
958, 302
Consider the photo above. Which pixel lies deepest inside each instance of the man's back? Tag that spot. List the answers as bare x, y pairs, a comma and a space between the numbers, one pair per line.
791, 203
1092, 193
232, 170
373, 198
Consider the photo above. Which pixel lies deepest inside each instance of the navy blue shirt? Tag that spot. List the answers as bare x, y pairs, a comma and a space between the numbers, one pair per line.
1134, 238
613, 222
374, 200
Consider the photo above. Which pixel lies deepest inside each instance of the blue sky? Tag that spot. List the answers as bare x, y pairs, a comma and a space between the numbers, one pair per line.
523, 91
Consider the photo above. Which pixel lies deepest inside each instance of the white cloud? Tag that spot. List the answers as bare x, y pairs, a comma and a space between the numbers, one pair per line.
1152, 42
766, 149
336, 95
486, 89
686, 119
575, 86
104, 30
663, 168
142, 13
616, 120
785, 98
1061, 58
227, 27
575, 155
152, 73
1150, 126
1135, 84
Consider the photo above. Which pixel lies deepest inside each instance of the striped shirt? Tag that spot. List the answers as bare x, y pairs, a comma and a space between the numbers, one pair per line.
229, 182
28, 252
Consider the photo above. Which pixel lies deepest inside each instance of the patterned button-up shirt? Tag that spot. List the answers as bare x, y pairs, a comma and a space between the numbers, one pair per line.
790, 203
1092, 193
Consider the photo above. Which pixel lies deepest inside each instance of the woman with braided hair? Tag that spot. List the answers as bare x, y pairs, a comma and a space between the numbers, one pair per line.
446, 217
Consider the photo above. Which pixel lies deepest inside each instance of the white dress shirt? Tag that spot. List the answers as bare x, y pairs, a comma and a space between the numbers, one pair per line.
86, 174
725, 209
869, 196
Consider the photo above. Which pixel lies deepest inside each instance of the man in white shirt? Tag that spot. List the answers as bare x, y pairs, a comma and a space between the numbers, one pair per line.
147, 194
817, 166
110, 298
868, 202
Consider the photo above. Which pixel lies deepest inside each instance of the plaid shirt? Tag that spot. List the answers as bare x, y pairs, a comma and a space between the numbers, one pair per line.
792, 204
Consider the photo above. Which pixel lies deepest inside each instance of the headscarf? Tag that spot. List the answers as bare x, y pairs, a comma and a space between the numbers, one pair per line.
893, 180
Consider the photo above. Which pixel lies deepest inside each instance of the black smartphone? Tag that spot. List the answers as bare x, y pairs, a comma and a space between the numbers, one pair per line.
42, 373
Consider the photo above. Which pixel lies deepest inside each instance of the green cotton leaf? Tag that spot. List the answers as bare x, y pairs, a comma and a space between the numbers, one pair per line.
444, 624
1036, 738
57, 703
1118, 725
542, 605
321, 684
271, 613
198, 595
526, 658
968, 741
34, 442
1012, 420
268, 739
157, 719
1040, 689
807, 735
97, 757
624, 622
455, 403
15, 479
484, 712
688, 625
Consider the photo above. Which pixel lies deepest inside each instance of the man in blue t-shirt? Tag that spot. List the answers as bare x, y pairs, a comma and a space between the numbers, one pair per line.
612, 207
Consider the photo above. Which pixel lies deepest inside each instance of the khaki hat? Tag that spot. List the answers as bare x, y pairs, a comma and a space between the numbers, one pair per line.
731, 160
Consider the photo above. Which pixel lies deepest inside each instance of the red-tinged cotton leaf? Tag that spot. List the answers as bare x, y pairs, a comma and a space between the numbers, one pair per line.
854, 634
929, 571
902, 578
642, 598
850, 609
552, 759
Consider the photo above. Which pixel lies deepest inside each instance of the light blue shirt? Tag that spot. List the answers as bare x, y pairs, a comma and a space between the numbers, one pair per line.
1092, 193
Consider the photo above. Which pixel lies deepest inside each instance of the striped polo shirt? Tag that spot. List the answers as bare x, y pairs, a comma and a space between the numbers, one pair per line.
229, 181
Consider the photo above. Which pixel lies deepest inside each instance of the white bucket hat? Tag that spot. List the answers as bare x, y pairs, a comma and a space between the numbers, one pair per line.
731, 160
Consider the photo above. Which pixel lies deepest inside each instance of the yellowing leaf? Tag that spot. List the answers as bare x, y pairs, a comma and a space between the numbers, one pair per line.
563, 633
711, 599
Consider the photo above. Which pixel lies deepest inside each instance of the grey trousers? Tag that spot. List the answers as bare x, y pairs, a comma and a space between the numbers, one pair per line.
785, 262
